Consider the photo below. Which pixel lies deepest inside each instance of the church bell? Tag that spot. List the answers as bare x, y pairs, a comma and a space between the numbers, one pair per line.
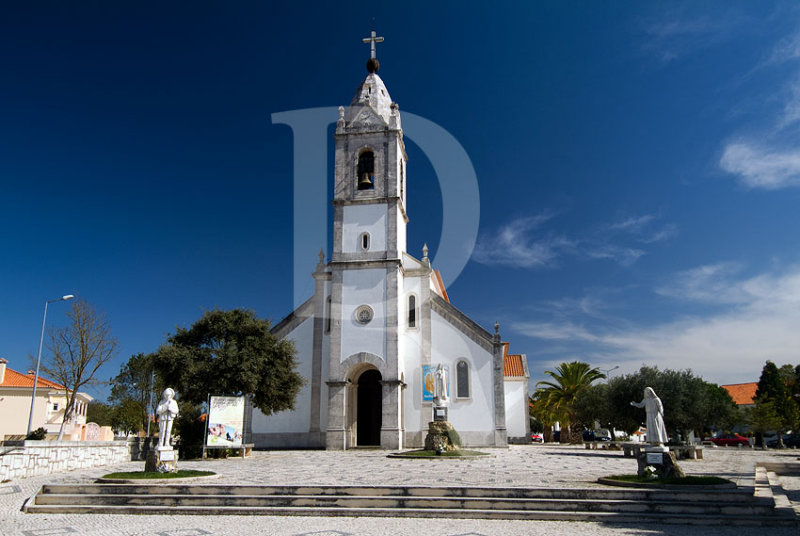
365, 182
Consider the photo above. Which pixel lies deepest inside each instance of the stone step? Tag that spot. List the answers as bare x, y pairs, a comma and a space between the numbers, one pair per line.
727, 495
532, 515
388, 501
721, 506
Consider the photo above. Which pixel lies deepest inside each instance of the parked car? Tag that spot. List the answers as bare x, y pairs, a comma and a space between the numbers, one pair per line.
789, 440
591, 435
537, 437
730, 440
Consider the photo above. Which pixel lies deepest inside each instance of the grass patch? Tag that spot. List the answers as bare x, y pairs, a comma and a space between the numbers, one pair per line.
445, 454
685, 481
141, 475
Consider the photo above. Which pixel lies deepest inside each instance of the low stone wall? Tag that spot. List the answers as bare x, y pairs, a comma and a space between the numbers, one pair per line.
34, 458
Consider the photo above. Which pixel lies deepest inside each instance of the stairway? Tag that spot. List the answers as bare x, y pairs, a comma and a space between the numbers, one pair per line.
617, 505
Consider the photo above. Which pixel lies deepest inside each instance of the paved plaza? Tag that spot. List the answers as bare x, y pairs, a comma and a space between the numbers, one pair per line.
519, 466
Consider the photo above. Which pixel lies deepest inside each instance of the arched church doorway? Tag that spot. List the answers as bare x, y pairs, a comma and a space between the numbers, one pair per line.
369, 409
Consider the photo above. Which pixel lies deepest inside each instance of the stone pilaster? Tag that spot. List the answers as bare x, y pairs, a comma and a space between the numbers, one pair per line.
500, 431
391, 429
336, 437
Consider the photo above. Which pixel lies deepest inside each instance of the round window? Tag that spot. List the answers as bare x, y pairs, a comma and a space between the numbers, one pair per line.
364, 314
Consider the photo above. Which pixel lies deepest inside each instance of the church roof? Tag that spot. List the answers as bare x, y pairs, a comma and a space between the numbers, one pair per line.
371, 94
437, 286
742, 393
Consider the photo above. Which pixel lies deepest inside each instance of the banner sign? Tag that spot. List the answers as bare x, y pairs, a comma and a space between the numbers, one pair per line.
225, 421
429, 381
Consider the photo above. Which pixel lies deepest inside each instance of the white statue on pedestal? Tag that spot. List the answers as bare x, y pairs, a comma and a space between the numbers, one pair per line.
440, 397
656, 431
167, 410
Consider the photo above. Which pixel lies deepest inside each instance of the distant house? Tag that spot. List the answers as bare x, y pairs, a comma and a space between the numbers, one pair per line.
49, 407
515, 383
743, 394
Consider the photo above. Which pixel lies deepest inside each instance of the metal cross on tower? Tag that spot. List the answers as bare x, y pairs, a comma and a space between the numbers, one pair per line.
372, 39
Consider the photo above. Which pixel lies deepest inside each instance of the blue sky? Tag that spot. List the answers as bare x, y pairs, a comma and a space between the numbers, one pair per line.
637, 163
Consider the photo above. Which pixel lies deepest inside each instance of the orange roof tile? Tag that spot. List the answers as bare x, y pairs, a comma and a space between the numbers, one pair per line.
512, 365
17, 379
742, 393
438, 286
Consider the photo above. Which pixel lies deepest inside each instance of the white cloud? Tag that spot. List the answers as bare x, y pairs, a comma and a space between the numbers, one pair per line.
791, 109
762, 167
515, 244
553, 331
523, 243
621, 255
707, 284
786, 49
673, 36
645, 229
759, 322
633, 223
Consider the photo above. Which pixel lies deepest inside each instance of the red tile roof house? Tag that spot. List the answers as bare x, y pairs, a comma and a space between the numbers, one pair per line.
742, 393
51, 399
515, 381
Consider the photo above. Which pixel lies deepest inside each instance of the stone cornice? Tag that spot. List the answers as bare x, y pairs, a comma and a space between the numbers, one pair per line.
294, 319
462, 322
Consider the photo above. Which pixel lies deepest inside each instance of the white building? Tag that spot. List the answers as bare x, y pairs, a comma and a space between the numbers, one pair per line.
48, 409
379, 319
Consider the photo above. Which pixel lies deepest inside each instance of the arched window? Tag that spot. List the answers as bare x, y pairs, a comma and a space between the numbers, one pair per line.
364, 241
412, 311
328, 315
462, 379
366, 171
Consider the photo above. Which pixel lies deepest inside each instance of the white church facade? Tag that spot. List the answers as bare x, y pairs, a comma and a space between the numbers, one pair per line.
380, 320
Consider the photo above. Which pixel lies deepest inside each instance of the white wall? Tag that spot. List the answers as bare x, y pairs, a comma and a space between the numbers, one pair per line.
401, 232
298, 420
358, 219
516, 408
364, 287
448, 345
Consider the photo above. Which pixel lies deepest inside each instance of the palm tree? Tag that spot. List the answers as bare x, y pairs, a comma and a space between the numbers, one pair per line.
560, 396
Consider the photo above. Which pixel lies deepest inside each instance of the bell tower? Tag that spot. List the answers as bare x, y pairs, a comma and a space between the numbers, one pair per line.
369, 238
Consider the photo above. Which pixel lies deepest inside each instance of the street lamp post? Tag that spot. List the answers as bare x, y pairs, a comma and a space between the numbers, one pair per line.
609, 371
39, 357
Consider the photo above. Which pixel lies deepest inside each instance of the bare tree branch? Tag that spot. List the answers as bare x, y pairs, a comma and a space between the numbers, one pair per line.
78, 351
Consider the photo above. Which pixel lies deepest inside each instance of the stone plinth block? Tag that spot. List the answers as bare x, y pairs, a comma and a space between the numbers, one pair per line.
664, 463
440, 436
162, 460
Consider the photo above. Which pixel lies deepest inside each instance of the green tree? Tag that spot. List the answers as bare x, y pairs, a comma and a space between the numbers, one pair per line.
136, 381
690, 403
126, 416
78, 351
560, 396
593, 405
545, 413
762, 418
775, 387
231, 352
99, 412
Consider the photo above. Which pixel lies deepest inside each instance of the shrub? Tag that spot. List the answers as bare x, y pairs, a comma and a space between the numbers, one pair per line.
37, 435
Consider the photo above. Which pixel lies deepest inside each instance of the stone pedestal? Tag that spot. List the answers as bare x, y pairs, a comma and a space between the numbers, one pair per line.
440, 434
162, 460
662, 460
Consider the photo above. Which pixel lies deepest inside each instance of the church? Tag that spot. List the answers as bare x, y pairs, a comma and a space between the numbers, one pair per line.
380, 320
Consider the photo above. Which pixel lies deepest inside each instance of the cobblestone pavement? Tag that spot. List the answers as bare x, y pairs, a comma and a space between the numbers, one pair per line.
523, 466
